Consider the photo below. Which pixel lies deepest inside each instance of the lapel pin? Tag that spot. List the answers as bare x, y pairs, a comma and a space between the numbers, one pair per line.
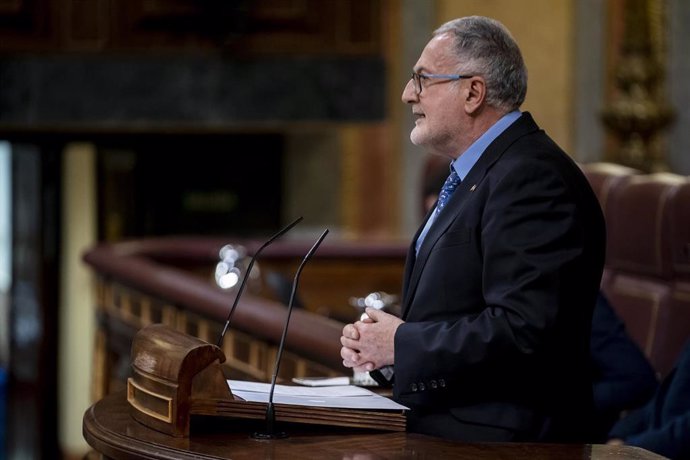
473, 187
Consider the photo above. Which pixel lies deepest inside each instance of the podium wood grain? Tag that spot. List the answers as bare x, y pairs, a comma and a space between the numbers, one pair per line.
111, 431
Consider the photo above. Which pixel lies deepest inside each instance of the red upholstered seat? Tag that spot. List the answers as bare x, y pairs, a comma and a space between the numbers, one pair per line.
674, 323
680, 232
639, 222
640, 282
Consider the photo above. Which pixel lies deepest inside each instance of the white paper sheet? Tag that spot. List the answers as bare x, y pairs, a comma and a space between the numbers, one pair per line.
344, 396
322, 381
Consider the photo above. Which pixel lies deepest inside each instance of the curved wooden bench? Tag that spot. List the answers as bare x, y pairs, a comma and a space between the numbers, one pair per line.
170, 281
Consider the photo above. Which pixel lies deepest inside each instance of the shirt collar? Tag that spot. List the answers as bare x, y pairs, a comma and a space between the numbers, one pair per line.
469, 157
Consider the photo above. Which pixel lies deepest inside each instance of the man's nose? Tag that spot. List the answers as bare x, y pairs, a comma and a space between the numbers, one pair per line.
409, 94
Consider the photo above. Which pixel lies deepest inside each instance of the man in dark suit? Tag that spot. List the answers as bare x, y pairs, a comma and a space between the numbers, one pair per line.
502, 277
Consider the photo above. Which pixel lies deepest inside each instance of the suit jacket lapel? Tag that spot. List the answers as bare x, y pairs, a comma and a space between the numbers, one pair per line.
415, 265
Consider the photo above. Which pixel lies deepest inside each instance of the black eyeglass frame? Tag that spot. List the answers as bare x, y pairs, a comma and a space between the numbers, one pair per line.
418, 76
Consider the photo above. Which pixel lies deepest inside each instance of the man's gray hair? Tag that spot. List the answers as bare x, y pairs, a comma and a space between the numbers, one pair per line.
485, 47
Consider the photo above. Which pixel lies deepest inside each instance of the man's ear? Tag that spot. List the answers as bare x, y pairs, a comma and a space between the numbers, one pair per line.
475, 94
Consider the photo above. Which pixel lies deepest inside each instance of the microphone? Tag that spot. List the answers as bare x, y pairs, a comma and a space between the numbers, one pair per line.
246, 275
270, 432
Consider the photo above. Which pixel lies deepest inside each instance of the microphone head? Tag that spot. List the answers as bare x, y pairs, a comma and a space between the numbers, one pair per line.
233, 277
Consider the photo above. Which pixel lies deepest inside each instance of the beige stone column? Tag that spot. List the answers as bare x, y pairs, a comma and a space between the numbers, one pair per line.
77, 323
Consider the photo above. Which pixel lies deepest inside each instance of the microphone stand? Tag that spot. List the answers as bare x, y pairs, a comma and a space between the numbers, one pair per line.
246, 276
270, 432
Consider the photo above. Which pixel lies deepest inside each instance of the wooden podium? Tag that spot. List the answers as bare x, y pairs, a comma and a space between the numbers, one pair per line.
170, 372
175, 376
113, 434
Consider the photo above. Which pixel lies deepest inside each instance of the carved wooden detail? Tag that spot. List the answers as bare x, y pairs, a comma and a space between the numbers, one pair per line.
122, 311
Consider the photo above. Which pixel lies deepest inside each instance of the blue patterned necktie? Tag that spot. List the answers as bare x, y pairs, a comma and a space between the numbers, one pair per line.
447, 190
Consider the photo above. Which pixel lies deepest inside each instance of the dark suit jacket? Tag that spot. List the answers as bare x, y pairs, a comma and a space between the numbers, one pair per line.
622, 377
498, 302
663, 424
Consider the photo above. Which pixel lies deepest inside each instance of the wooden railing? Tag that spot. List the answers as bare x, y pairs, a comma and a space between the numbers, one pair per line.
170, 281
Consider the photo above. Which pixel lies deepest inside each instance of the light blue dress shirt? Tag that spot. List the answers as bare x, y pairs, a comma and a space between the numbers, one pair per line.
469, 157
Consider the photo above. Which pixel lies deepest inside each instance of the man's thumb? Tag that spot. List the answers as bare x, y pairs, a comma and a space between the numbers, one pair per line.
374, 314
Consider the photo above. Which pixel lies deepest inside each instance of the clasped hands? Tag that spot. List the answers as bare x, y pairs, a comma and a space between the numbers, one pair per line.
368, 344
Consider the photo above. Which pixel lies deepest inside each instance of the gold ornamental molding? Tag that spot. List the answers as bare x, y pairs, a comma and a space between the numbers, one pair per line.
638, 112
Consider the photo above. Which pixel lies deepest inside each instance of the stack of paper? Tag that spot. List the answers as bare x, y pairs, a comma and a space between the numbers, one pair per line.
343, 396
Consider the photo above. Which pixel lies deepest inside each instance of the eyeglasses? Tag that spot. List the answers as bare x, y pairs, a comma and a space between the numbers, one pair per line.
418, 77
